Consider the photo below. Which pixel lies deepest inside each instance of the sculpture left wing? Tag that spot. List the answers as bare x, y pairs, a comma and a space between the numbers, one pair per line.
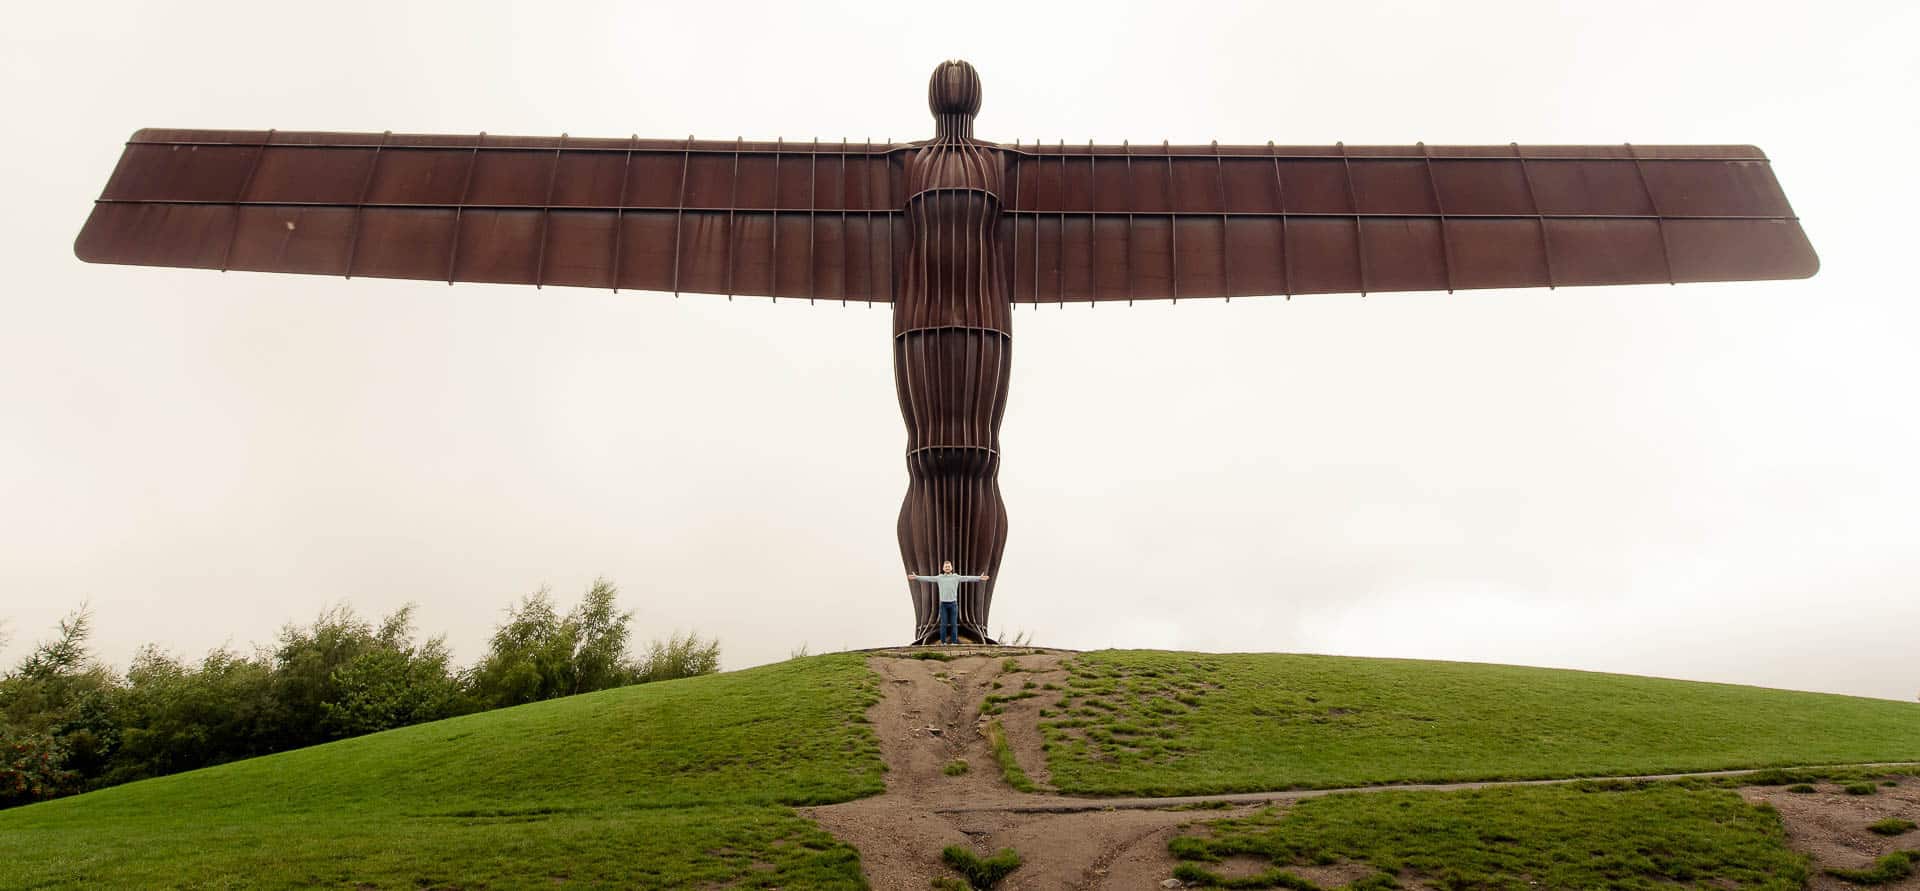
816, 220
1165, 222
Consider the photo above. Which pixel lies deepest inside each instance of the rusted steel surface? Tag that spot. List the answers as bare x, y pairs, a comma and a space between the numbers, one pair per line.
952, 231
952, 353
722, 217
1127, 222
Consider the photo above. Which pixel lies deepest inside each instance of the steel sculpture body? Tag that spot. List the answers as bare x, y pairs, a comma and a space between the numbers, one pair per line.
952, 231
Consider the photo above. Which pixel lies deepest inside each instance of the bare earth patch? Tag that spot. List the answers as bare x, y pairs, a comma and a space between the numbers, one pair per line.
928, 716
1832, 826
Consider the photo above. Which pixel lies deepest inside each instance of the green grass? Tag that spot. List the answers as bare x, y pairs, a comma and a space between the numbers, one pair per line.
1624, 836
1886, 870
956, 767
650, 786
1892, 826
1802, 789
1859, 788
981, 872
1166, 723
1009, 765
993, 704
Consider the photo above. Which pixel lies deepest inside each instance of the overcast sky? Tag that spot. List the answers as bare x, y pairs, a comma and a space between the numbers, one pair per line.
1706, 481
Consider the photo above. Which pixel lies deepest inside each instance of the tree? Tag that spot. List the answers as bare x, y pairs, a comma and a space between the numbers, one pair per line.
526, 657
341, 677
538, 654
56, 714
394, 683
599, 641
30, 768
178, 716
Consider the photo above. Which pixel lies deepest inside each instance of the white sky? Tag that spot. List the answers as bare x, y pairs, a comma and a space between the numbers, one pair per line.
1708, 481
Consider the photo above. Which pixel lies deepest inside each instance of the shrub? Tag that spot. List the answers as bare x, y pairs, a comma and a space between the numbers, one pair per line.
1802, 788
679, 657
981, 873
1859, 789
955, 767
1892, 826
539, 654
177, 716
342, 676
32, 769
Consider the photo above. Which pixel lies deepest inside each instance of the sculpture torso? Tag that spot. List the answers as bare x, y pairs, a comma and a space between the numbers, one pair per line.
951, 347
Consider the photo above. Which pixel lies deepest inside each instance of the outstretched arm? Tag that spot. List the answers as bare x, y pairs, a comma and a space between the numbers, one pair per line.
974, 578
919, 578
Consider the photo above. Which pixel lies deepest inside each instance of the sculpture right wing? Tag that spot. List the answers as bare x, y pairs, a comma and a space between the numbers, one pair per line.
815, 220
1158, 222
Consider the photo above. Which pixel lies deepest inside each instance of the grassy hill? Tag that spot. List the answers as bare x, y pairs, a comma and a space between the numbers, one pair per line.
668, 785
691, 783
1161, 723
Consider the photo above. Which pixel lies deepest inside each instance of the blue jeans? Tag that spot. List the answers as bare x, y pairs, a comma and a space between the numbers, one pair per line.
950, 622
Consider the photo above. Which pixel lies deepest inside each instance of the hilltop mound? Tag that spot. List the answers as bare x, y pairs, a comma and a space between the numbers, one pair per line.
693, 783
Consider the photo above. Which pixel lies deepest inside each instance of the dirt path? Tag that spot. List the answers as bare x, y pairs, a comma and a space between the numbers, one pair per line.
929, 717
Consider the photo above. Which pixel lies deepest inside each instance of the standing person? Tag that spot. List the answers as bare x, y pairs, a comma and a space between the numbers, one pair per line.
949, 598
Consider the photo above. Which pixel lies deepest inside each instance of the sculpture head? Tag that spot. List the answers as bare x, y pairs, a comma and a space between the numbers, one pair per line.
947, 566
953, 95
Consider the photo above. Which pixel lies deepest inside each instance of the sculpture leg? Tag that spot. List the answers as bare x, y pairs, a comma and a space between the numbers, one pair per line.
953, 386
952, 512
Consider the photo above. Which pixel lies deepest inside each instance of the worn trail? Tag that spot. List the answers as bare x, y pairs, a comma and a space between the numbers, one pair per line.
928, 718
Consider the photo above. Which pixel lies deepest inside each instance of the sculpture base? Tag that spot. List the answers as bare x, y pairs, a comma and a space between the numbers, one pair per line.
968, 637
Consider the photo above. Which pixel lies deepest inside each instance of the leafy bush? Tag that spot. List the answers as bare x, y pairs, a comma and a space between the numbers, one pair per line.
342, 676
679, 657
538, 654
1859, 789
175, 716
30, 769
58, 704
1892, 826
